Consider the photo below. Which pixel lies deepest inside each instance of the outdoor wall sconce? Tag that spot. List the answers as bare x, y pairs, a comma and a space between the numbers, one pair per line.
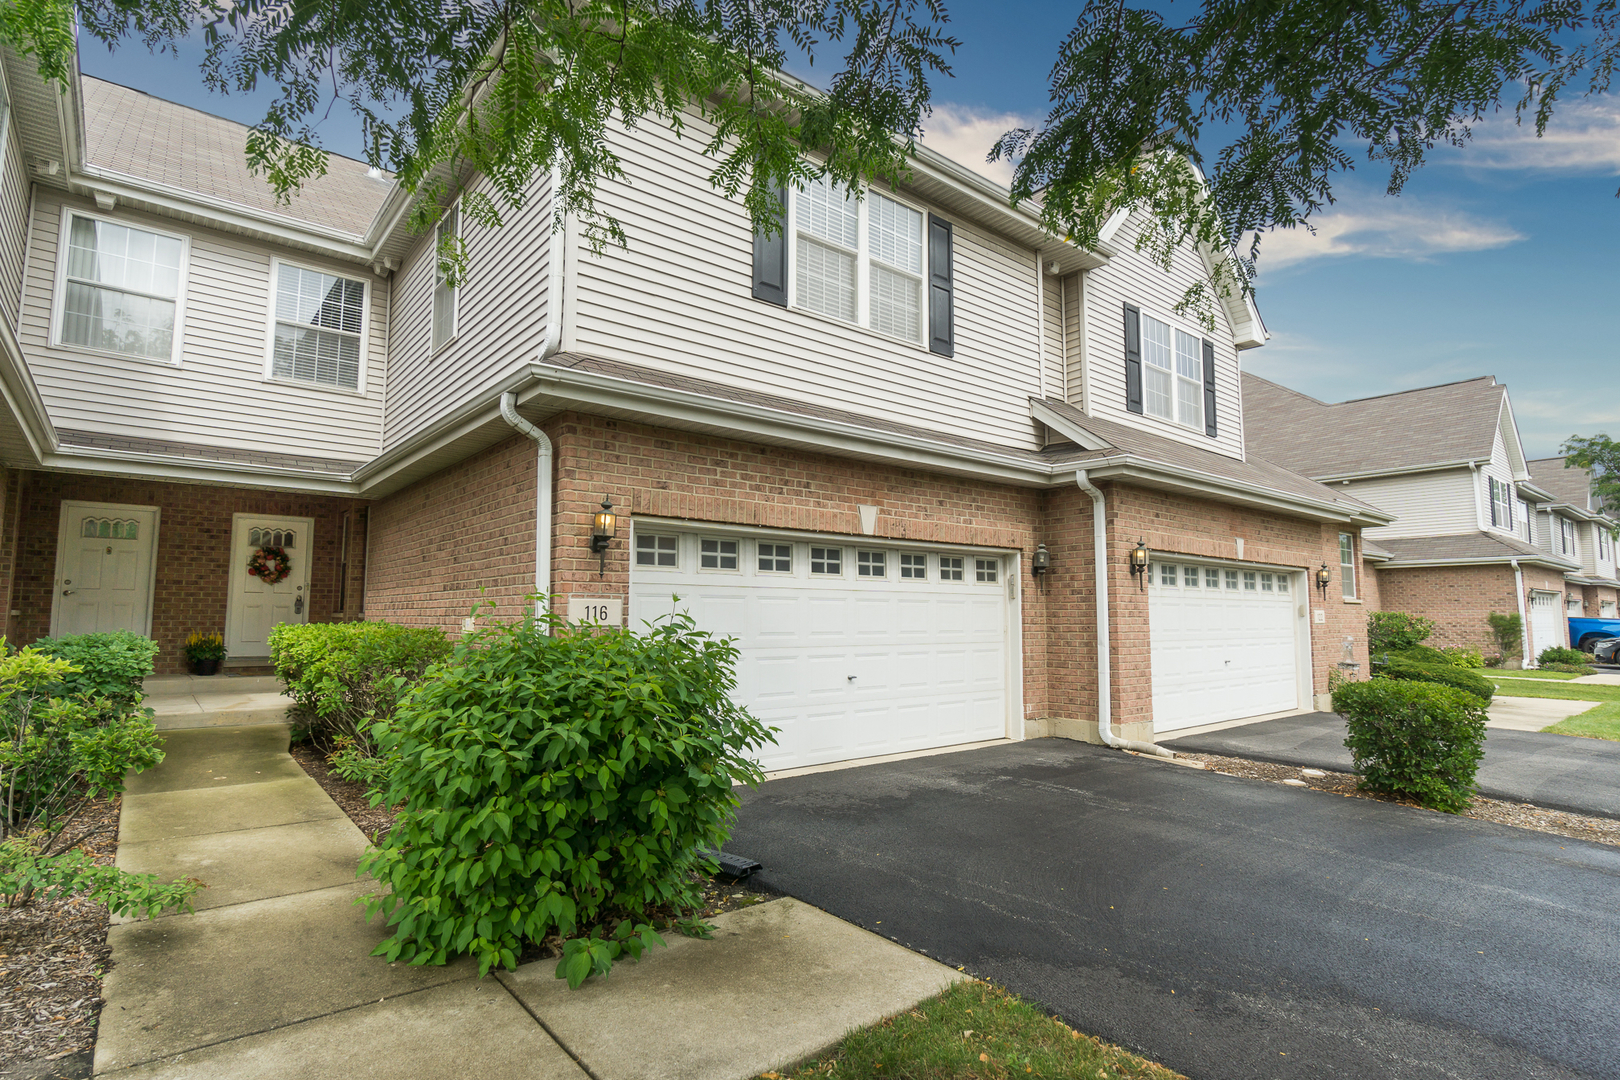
602, 532
1139, 563
1324, 578
1042, 562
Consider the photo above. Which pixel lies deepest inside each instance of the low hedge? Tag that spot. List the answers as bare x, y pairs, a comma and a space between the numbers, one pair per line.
344, 676
112, 665
1558, 655
1417, 739
1402, 669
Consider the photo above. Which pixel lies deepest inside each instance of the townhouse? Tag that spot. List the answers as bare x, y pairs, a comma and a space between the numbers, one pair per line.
944, 478
1478, 529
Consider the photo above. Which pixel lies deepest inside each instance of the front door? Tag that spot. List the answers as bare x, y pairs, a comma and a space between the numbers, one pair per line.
104, 568
259, 605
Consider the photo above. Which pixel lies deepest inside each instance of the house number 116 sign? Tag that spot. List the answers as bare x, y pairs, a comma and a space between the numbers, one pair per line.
601, 610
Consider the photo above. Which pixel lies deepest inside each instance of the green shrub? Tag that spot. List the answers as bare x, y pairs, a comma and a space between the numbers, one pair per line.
110, 666
1571, 669
1508, 630
345, 676
1464, 656
559, 783
1563, 656
1442, 674
1394, 630
1421, 654
1415, 739
56, 755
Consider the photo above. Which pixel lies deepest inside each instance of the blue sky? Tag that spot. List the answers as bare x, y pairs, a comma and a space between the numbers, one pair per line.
1500, 259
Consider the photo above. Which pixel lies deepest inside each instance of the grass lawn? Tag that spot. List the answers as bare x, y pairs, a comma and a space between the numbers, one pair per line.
972, 1031
1556, 675
1602, 722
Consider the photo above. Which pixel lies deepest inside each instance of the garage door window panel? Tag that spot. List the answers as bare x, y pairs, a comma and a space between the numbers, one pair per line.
658, 551
1212, 578
987, 570
776, 558
1189, 576
871, 564
714, 554
1167, 574
913, 567
950, 567
827, 561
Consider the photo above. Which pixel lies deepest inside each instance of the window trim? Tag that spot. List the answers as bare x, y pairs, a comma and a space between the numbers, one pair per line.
455, 294
719, 554
635, 551
863, 258
276, 263
1349, 580
59, 301
1144, 311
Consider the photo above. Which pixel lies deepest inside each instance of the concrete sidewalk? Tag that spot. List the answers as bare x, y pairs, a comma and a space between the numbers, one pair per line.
271, 977
188, 701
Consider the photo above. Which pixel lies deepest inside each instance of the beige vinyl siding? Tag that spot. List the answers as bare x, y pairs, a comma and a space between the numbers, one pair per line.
217, 395
500, 316
1132, 277
14, 186
1074, 337
1501, 470
1425, 504
1052, 338
678, 299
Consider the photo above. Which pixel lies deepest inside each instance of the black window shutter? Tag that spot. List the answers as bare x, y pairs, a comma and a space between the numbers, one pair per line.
1133, 359
1492, 479
941, 289
1209, 388
770, 261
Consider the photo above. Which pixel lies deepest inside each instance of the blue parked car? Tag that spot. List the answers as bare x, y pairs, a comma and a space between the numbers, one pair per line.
1586, 633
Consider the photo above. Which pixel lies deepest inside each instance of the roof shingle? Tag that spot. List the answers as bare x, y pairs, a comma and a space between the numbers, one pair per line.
1567, 485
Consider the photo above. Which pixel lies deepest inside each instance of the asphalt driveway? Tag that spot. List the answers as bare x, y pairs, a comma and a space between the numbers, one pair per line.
1228, 928
1561, 772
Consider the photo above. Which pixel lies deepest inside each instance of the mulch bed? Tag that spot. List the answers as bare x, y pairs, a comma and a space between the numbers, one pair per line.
53, 954
1519, 815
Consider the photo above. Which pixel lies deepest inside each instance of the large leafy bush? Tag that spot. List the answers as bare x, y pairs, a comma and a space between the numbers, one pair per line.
559, 782
1416, 739
110, 666
1395, 630
1558, 655
1508, 630
1443, 674
345, 676
55, 756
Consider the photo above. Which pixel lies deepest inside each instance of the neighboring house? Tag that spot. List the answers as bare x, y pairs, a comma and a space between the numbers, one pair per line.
1476, 528
1571, 522
850, 446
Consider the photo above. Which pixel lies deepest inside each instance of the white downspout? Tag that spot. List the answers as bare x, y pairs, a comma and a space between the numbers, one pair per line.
1524, 620
542, 501
1105, 676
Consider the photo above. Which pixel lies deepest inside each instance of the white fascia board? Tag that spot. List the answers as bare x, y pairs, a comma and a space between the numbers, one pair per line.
22, 396
448, 430
1368, 556
1510, 436
1404, 470
743, 419
280, 227
1222, 489
85, 459
1552, 562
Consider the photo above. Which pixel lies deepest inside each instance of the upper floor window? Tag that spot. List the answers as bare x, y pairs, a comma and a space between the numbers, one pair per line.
318, 328
1501, 503
1603, 540
859, 261
1169, 373
1566, 536
121, 288
1347, 565
444, 294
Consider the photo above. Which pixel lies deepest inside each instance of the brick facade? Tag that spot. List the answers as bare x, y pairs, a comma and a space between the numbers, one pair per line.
1458, 599
193, 552
467, 533
1593, 597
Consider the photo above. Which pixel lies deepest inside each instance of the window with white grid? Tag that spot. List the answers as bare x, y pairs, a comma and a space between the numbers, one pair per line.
950, 568
319, 320
1172, 373
986, 569
871, 275
121, 289
824, 560
654, 550
913, 567
717, 554
871, 564
776, 558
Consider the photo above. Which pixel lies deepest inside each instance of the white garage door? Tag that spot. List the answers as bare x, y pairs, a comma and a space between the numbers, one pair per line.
852, 649
1224, 643
1544, 622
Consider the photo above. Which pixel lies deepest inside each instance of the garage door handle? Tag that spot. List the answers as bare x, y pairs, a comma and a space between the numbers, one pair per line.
852, 678
67, 592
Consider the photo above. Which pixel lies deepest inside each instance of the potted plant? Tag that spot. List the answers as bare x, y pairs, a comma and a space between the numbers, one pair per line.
205, 651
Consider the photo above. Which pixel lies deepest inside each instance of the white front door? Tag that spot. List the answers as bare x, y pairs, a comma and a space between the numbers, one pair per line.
104, 565
257, 607
1543, 623
1225, 642
852, 647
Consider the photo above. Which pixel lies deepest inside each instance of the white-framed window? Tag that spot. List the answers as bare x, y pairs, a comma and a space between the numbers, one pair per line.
715, 554
1347, 565
444, 296
950, 568
1573, 606
1249, 581
986, 570
1266, 583
826, 560
317, 327
871, 564
1501, 503
913, 567
1172, 373
1282, 583
859, 261
1566, 536
1212, 578
776, 558
655, 550
1231, 579
120, 289
1189, 576
1167, 573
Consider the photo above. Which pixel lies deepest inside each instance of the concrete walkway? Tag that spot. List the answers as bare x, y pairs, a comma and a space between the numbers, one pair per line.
271, 977
186, 701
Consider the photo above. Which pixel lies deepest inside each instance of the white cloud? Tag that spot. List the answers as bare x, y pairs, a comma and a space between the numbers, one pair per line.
965, 135
1583, 136
1384, 228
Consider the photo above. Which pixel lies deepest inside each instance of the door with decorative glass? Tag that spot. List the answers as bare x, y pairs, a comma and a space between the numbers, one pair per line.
270, 564
104, 563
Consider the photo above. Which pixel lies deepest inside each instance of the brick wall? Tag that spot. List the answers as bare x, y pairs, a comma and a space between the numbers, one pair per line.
1593, 597
1457, 598
193, 551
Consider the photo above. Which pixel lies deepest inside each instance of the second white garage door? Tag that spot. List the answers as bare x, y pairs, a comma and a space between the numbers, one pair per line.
854, 649
1225, 643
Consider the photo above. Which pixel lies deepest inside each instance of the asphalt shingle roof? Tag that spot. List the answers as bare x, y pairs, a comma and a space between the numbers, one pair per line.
1469, 546
1572, 486
138, 135
1454, 422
